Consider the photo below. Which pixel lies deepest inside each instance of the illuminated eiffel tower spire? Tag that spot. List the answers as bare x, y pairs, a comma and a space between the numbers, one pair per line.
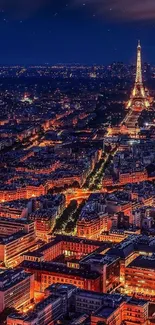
139, 66
138, 88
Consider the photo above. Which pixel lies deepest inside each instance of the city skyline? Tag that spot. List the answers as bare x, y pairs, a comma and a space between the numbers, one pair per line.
129, 60
77, 162
77, 194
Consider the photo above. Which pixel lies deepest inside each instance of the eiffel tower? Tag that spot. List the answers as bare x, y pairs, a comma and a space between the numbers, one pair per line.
138, 99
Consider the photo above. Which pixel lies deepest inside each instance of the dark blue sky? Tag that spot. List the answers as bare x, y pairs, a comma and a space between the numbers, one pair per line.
41, 31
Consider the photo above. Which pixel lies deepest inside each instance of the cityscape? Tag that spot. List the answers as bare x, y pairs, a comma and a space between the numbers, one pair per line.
77, 166
77, 194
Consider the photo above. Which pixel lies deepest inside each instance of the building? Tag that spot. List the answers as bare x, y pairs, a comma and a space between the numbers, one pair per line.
17, 237
11, 193
45, 312
69, 246
9, 226
132, 312
16, 288
44, 220
61, 299
140, 277
93, 219
66, 292
112, 308
133, 177
47, 273
108, 266
16, 209
126, 252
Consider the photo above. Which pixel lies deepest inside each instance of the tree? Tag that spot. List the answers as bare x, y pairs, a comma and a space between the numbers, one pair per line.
62, 221
75, 185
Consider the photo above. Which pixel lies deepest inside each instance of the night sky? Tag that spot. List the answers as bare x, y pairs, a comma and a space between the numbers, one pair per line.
76, 31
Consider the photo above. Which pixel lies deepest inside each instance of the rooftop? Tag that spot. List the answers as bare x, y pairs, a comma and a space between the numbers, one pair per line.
99, 259
144, 262
10, 278
105, 312
57, 268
